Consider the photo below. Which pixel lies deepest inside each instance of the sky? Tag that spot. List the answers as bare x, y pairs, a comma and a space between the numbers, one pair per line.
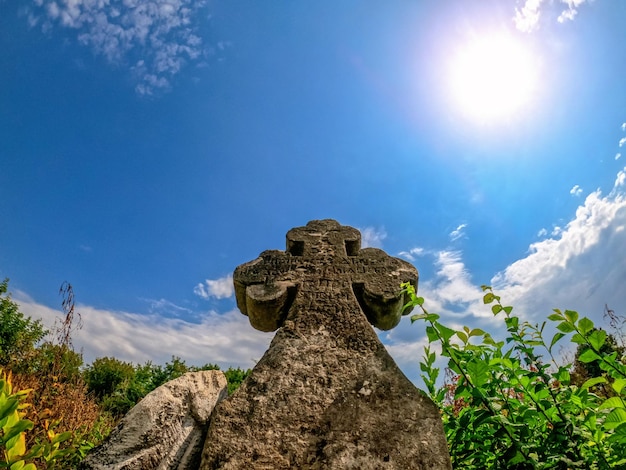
148, 147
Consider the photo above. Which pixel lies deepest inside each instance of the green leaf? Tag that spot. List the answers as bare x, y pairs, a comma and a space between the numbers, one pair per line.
618, 385
596, 339
418, 316
589, 355
462, 336
594, 381
64, 436
431, 334
507, 309
8, 407
571, 315
615, 418
476, 332
563, 376
579, 339
565, 327
585, 325
613, 402
555, 317
478, 371
497, 308
488, 298
619, 435
446, 333
18, 428
555, 339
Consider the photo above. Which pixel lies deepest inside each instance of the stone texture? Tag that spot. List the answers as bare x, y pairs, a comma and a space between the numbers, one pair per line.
166, 429
326, 395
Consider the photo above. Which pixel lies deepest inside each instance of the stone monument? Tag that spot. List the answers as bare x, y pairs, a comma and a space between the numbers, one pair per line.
326, 394
165, 430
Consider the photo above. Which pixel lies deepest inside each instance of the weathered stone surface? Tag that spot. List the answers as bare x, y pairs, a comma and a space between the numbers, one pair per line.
326, 395
166, 429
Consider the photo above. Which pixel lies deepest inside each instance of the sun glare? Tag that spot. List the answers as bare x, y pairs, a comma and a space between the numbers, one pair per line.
492, 77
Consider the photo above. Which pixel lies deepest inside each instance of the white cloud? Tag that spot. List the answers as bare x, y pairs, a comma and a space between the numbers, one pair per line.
576, 190
621, 176
571, 11
624, 126
166, 308
372, 237
158, 36
412, 253
221, 288
618, 156
622, 141
226, 339
527, 18
457, 232
582, 268
542, 233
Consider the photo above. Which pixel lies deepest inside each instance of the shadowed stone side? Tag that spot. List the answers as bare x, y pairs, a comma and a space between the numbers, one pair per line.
326, 395
166, 429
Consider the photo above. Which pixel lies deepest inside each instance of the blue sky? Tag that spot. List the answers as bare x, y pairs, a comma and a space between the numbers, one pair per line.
148, 147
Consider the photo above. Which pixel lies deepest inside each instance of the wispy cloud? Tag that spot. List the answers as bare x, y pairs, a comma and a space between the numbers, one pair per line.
571, 11
372, 237
457, 232
166, 308
412, 253
579, 267
576, 190
527, 17
221, 288
155, 38
223, 338
618, 156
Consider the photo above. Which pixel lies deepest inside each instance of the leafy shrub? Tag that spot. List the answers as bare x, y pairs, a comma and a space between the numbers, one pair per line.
504, 407
235, 377
13, 427
18, 334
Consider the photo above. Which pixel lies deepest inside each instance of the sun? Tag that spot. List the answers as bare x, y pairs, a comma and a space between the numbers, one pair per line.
492, 77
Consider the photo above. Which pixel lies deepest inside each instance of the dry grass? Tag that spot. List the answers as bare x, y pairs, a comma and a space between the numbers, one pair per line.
65, 406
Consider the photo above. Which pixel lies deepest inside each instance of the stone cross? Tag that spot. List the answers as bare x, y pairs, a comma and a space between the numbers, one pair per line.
323, 262
326, 394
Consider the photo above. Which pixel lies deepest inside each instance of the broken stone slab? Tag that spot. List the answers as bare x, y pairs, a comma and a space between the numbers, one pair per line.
326, 394
166, 429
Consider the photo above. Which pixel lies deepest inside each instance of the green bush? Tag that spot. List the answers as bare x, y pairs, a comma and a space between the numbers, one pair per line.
18, 335
504, 407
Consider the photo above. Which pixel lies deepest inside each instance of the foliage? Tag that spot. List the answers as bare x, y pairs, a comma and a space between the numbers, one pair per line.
120, 385
583, 371
18, 335
504, 407
235, 377
13, 427
72, 408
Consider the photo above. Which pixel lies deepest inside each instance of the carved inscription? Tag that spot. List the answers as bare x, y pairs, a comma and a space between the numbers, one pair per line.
323, 262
